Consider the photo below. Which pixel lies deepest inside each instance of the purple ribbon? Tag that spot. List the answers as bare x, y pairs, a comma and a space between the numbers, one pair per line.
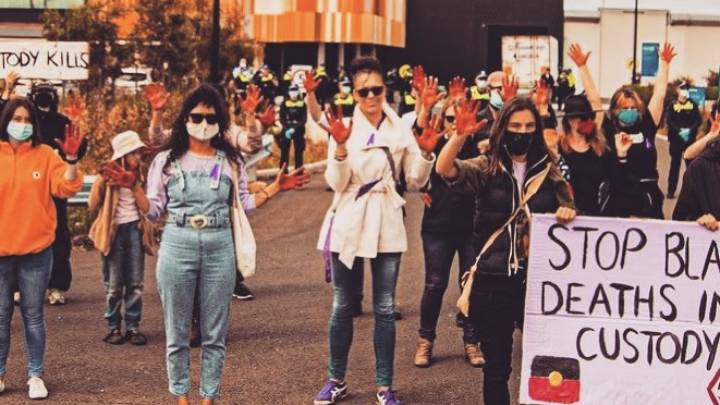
327, 256
365, 188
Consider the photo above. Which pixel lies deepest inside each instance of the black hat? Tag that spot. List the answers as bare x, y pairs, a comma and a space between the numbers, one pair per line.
578, 106
684, 85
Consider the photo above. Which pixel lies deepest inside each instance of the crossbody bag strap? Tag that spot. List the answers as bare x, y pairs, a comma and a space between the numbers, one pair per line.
464, 302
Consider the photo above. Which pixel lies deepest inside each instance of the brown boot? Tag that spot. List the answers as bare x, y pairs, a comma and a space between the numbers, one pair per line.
207, 402
423, 353
474, 355
183, 400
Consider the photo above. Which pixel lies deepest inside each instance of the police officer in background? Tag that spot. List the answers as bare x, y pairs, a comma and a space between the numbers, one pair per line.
293, 115
407, 100
344, 99
479, 91
683, 120
326, 89
268, 83
242, 76
52, 126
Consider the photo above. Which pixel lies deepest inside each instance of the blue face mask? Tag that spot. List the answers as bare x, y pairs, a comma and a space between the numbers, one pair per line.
628, 117
496, 100
19, 131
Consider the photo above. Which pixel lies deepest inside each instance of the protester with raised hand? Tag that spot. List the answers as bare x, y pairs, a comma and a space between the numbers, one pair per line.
713, 125
30, 216
123, 236
52, 127
247, 137
366, 220
515, 179
502, 89
640, 194
683, 120
446, 231
593, 169
196, 182
699, 198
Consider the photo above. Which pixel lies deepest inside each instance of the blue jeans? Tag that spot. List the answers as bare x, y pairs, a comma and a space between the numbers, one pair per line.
439, 249
190, 259
31, 274
123, 275
385, 269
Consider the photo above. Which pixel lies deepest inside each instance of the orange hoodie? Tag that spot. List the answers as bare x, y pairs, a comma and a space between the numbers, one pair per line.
29, 178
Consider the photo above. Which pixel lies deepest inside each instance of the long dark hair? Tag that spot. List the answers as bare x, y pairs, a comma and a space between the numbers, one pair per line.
179, 142
499, 128
8, 112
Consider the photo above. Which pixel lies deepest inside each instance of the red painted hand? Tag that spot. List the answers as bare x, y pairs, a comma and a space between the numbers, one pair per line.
336, 127
577, 55
156, 95
73, 139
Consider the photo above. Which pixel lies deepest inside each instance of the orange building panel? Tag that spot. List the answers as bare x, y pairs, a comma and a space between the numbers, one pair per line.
378, 22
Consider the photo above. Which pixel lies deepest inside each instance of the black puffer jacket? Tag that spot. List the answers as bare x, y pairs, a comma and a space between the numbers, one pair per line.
497, 196
700, 192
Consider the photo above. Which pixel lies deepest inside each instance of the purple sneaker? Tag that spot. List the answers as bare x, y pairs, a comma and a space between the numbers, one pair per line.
332, 392
387, 398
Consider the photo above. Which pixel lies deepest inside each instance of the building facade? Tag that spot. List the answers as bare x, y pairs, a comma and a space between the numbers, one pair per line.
606, 28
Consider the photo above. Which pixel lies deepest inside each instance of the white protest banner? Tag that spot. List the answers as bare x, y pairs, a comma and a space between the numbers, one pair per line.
45, 60
621, 311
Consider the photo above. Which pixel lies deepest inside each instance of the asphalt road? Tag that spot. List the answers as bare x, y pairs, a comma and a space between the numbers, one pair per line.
278, 346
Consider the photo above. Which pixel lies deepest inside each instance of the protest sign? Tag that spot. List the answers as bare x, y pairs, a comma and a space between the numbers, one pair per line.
45, 60
621, 311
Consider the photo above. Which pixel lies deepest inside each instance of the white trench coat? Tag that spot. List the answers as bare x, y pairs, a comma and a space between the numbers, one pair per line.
372, 223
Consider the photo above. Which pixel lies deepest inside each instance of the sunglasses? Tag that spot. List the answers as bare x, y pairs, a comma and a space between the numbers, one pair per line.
375, 90
450, 119
211, 119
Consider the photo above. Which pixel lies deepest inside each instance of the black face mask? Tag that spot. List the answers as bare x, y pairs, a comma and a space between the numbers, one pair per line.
518, 143
43, 100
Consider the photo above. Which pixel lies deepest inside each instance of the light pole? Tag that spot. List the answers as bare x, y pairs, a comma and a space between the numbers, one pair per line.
215, 44
635, 40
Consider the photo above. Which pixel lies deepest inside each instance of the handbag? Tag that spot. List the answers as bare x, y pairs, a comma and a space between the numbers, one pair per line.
463, 302
243, 238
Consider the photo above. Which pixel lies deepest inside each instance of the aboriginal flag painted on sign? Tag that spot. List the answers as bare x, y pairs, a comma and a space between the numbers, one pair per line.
555, 379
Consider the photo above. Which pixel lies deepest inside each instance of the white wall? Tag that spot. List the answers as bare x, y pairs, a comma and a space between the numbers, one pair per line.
611, 43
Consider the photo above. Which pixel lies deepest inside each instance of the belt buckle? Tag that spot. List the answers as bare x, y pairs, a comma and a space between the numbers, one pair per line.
199, 221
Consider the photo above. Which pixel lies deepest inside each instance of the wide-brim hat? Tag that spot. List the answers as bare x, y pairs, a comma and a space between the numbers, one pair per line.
126, 142
578, 106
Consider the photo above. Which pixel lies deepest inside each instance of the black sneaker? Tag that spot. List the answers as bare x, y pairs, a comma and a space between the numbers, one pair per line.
396, 313
242, 292
135, 338
115, 337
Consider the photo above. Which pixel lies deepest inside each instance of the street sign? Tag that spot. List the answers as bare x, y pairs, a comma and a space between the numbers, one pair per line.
650, 59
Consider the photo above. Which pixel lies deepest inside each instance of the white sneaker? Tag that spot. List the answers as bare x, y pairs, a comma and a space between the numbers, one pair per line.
2, 385
16, 297
55, 297
36, 388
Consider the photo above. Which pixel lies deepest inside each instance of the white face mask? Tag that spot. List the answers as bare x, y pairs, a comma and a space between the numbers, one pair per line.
44, 109
202, 131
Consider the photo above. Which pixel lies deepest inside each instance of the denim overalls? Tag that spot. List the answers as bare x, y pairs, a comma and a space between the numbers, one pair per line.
192, 256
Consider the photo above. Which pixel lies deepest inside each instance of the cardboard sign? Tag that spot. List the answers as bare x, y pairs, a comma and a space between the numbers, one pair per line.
45, 60
621, 311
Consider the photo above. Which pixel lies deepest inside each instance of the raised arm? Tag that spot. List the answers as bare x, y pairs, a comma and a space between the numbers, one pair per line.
658, 98
580, 58
311, 85
699, 146
466, 124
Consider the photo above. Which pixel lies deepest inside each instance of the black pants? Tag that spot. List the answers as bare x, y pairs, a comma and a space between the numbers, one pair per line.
676, 158
439, 249
61, 274
298, 140
496, 307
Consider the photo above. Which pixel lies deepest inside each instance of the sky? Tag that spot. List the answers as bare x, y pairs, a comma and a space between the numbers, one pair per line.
706, 7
